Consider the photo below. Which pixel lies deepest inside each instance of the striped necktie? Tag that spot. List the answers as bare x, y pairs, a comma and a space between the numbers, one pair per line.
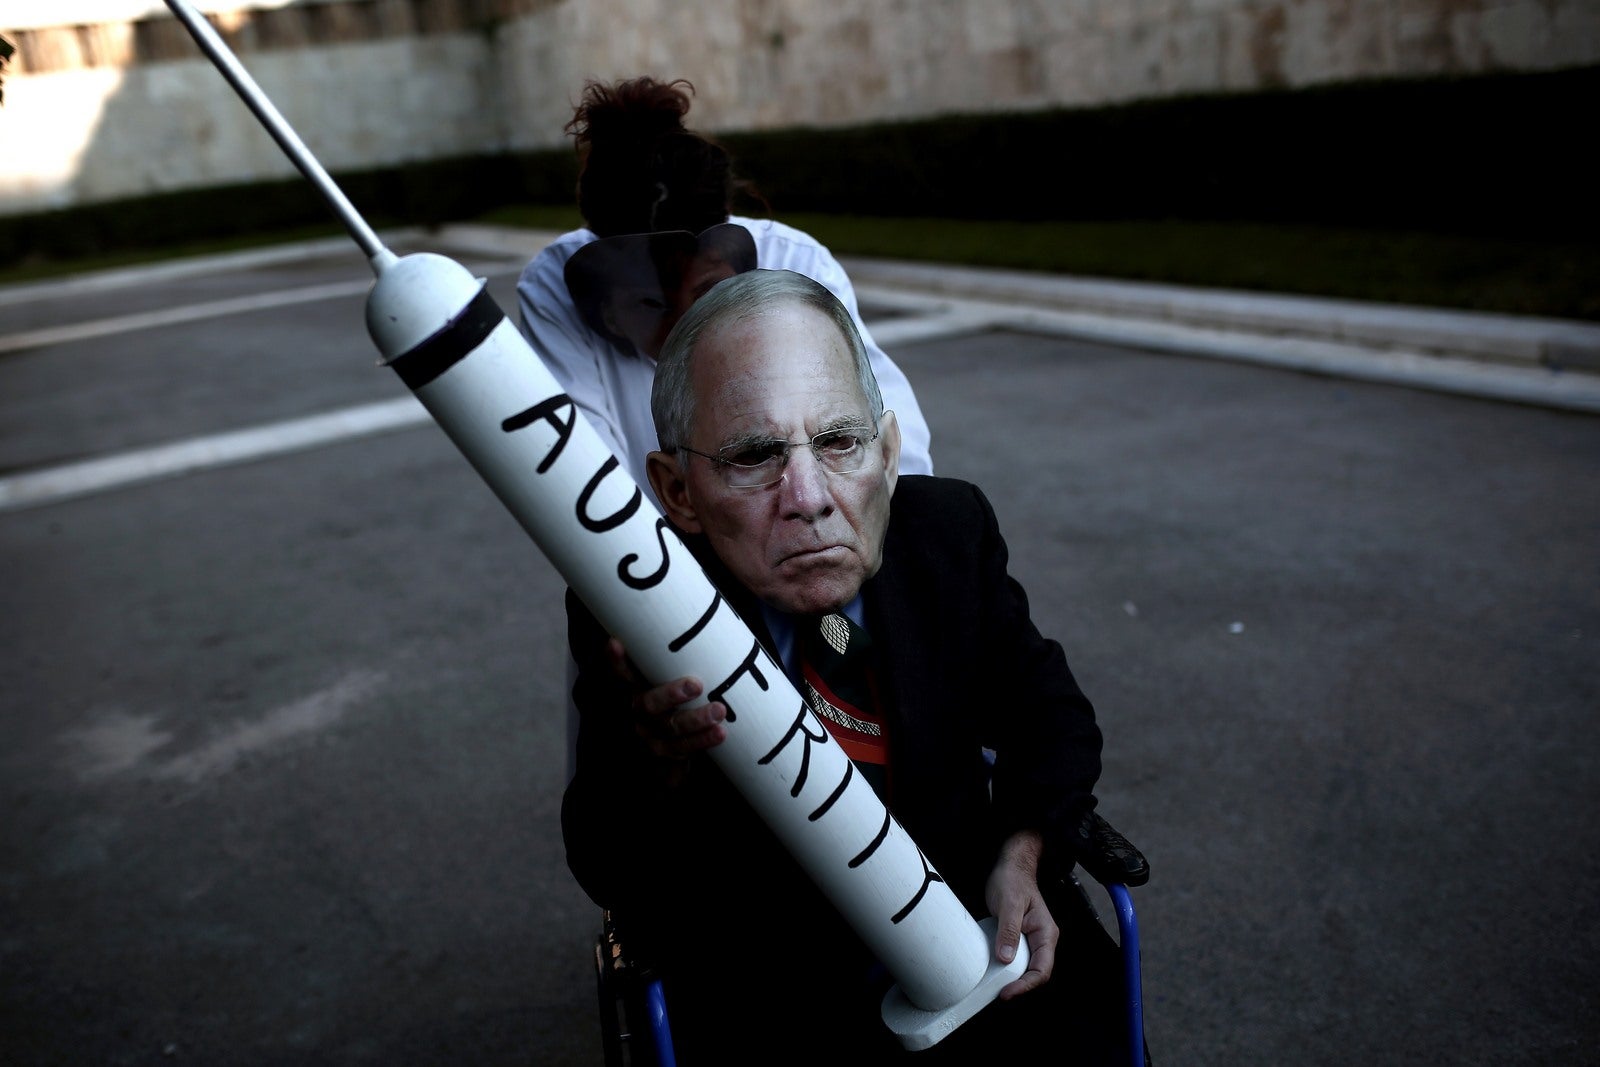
836, 658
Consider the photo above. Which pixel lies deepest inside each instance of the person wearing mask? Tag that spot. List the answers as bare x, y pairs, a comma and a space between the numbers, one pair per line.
886, 598
656, 199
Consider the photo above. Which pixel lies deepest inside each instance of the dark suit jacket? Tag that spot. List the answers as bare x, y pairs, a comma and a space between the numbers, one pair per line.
961, 667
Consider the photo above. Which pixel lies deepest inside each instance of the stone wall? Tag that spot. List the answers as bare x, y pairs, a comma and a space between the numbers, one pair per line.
765, 63
114, 109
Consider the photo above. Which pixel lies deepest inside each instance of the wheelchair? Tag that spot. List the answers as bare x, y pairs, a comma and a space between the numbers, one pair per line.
635, 1030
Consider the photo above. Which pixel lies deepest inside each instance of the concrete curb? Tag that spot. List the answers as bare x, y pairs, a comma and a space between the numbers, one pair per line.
1558, 344
1548, 362
1562, 390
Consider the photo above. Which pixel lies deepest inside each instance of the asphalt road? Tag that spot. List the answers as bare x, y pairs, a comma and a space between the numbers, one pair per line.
281, 740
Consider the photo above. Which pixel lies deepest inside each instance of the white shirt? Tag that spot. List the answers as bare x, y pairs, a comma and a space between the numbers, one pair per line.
611, 384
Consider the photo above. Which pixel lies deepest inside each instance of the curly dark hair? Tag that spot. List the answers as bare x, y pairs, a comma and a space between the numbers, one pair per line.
642, 169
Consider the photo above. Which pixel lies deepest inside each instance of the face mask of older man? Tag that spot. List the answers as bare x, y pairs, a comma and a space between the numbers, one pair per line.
787, 460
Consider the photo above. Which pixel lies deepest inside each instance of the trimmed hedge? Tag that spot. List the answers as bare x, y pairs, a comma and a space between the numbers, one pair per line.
1502, 155
427, 193
1507, 154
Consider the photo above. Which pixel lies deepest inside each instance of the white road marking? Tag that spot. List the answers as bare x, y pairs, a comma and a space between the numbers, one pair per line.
70, 480
118, 742
90, 283
147, 320
213, 309
104, 473
288, 722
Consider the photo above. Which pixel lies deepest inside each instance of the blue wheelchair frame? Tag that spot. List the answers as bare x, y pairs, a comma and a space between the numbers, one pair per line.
635, 1030
1132, 978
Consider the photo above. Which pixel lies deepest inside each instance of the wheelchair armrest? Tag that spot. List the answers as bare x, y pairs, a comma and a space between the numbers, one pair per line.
1108, 856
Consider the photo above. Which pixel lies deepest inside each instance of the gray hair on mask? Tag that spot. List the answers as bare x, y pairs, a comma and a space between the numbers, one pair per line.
732, 301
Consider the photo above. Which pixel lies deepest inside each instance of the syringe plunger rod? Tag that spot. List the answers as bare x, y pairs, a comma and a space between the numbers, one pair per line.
228, 64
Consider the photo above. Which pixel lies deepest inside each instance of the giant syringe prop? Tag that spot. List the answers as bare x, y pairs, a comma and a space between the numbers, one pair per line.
442, 332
